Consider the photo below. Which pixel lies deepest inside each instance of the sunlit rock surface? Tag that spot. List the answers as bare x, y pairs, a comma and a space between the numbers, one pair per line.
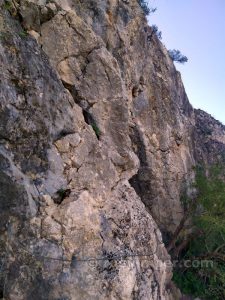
97, 143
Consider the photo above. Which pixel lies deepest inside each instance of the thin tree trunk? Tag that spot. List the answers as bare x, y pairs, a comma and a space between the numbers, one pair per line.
177, 232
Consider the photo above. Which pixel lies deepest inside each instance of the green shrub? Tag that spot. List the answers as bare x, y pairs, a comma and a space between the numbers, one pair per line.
96, 130
177, 56
145, 7
23, 34
7, 5
156, 31
202, 239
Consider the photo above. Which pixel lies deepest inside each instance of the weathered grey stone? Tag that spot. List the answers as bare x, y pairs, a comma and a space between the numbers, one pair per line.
97, 138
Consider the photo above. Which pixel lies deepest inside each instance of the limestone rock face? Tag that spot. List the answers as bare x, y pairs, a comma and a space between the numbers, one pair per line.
97, 143
209, 139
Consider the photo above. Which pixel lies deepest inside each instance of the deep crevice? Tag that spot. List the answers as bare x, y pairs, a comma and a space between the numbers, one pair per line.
141, 181
73, 91
63, 133
88, 117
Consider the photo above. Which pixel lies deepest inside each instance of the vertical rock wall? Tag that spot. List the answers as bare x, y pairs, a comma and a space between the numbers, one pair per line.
97, 144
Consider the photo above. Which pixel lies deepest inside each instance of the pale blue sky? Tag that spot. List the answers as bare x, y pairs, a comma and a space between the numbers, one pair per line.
197, 29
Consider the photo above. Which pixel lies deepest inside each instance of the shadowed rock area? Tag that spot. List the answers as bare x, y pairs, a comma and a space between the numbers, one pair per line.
97, 143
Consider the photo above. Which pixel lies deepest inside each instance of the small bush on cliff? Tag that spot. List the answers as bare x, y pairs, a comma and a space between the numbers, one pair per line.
157, 32
177, 56
146, 8
198, 243
7, 5
96, 130
23, 34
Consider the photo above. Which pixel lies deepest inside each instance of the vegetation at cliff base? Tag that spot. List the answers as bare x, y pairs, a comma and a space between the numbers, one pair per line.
198, 245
